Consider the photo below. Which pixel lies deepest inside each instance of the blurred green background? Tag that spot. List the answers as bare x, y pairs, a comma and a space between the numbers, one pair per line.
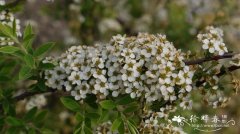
86, 22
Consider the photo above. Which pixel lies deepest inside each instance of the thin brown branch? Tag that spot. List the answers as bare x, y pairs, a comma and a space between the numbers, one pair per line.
29, 94
213, 58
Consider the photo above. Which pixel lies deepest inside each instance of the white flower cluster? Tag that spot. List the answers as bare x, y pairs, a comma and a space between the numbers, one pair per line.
152, 118
104, 128
36, 101
143, 66
221, 102
7, 18
211, 89
161, 128
213, 41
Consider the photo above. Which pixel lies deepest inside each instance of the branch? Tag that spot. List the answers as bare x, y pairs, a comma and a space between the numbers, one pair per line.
213, 58
29, 94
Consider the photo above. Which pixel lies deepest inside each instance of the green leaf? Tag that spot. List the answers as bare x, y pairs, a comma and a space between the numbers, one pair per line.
79, 117
14, 27
41, 115
30, 114
93, 116
46, 66
14, 121
70, 104
5, 105
27, 42
116, 123
9, 49
107, 104
43, 49
29, 60
1, 121
27, 31
41, 85
8, 32
130, 109
31, 131
4, 78
132, 128
124, 100
121, 128
28, 38
87, 130
25, 72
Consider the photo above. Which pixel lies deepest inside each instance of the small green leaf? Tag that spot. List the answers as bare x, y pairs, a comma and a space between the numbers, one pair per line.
43, 49
9, 49
87, 130
107, 104
130, 109
5, 105
41, 84
30, 114
70, 104
93, 116
14, 121
29, 60
116, 123
124, 100
2, 121
41, 115
27, 31
14, 27
4, 78
27, 42
31, 131
79, 117
8, 32
132, 128
121, 128
28, 38
46, 66
25, 72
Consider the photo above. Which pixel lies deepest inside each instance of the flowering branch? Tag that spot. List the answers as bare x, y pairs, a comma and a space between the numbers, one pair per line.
190, 62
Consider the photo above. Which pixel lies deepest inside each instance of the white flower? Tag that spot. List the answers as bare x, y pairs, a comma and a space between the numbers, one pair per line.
36, 101
75, 78
186, 104
178, 119
212, 41
119, 39
98, 62
102, 87
100, 74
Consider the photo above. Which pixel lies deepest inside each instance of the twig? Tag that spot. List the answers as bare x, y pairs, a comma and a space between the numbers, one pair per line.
29, 94
213, 58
